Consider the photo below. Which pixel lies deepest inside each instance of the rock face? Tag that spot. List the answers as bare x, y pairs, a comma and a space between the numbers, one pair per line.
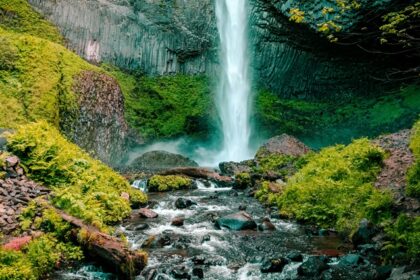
238, 221
159, 37
98, 125
164, 37
161, 160
16, 191
283, 145
294, 62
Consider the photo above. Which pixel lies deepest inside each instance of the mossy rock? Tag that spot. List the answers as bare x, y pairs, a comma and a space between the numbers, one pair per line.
159, 183
242, 181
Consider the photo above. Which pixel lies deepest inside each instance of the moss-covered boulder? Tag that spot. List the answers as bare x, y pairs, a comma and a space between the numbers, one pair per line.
160, 160
160, 183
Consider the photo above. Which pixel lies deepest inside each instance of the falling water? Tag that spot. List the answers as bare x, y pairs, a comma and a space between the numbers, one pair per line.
233, 99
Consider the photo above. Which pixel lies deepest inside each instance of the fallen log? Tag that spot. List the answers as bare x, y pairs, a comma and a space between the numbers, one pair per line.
200, 173
107, 249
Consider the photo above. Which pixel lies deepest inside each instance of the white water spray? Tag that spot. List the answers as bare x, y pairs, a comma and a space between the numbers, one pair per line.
234, 94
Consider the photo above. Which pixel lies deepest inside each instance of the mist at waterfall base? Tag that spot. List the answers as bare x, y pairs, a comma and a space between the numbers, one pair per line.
233, 97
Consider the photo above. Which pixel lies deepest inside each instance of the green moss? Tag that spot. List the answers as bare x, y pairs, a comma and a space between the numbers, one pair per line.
403, 239
334, 189
265, 195
278, 165
160, 183
168, 106
38, 83
337, 121
18, 16
243, 180
36, 259
83, 187
413, 175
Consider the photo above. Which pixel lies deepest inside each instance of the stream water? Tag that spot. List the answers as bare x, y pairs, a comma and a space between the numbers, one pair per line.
198, 249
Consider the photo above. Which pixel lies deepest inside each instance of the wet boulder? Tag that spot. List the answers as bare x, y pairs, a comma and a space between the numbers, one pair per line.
237, 221
350, 260
232, 168
181, 272
274, 265
147, 213
161, 160
183, 203
283, 145
364, 234
266, 225
313, 266
295, 256
177, 221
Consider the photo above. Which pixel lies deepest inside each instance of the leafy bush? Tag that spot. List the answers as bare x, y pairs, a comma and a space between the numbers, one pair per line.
334, 189
413, 175
83, 187
403, 239
38, 258
160, 183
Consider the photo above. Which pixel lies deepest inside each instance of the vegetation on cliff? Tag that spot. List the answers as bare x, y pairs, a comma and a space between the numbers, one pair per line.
83, 187
366, 116
413, 176
168, 106
36, 72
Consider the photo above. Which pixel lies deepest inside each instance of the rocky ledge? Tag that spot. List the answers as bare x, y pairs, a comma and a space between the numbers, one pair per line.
16, 191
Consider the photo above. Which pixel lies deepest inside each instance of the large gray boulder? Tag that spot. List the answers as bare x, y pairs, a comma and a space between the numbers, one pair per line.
161, 160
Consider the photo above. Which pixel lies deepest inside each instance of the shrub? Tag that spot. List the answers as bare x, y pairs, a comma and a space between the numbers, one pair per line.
334, 189
160, 183
37, 259
413, 175
84, 187
403, 239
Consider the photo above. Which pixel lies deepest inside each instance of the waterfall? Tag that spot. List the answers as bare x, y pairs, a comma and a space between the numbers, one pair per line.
234, 93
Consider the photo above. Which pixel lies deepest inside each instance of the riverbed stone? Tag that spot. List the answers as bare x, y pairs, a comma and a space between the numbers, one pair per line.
237, 221
274, 265
364, 233
350, 260
148, 213
184, 203
178, 221
266, 225
313, 266
295, 256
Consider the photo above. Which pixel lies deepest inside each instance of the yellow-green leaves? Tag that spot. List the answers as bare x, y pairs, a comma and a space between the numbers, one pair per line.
84, 187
